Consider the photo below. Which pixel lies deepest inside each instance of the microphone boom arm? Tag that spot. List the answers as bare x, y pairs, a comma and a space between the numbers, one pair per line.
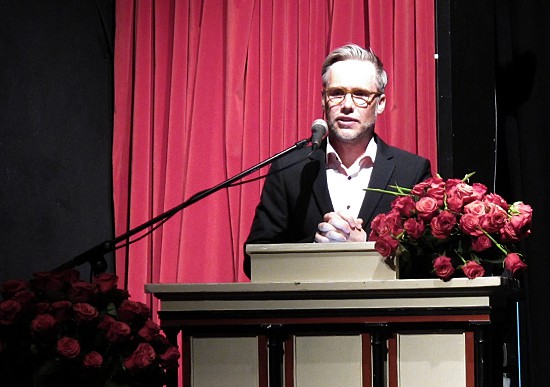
94, 256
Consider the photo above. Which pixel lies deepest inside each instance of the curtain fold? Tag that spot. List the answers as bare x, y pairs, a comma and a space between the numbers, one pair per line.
207, 88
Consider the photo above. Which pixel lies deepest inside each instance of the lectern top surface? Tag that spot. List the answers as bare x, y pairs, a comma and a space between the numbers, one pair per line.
400, 284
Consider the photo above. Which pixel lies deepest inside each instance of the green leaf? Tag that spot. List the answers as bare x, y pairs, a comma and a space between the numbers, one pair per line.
110, 309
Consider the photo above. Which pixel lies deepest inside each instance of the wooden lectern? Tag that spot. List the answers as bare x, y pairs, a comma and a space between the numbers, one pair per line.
372, 332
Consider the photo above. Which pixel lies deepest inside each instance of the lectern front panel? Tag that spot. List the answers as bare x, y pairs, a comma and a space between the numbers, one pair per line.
328, 361
224, 362
431, 359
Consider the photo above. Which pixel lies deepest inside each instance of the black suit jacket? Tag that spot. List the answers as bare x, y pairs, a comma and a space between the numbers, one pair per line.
294, 200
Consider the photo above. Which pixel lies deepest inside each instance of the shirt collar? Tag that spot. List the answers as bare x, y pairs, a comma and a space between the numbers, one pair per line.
366, 160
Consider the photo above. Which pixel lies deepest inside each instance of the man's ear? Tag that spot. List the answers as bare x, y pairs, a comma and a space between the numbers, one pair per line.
381, 105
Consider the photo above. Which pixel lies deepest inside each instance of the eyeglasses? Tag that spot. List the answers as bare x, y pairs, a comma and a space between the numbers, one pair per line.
360, 97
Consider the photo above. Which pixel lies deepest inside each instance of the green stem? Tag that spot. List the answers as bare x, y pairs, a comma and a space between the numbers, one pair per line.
401, 189
386, 191
495, 242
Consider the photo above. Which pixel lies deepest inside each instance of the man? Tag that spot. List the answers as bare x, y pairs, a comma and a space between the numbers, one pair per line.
322, 197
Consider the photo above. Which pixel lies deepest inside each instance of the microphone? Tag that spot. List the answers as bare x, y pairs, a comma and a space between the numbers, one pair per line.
319, 130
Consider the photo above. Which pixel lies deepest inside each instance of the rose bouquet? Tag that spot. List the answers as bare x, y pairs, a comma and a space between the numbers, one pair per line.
56, 330
443, 226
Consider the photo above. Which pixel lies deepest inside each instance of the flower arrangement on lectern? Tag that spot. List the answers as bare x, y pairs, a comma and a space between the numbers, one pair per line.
449, 228
56, 330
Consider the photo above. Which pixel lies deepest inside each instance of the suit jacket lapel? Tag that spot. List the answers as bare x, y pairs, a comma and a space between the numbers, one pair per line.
380, 178
320, 185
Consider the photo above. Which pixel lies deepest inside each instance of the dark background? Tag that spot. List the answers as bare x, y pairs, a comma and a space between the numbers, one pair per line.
56, 113
493, 115
56, 109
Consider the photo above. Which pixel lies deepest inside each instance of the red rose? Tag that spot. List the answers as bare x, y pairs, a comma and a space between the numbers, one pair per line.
466, 192
472, 270
516, 228
85, 312
508, 234
62, 310
521, 225
43, 324
469, 224
426, 208
373, 236
170, 358
479, 190
149, 330
92, 360
143, 357
480, 243
11, 287
437, 192
455, 203
377, 225
435, 181
443, 267
160, 343
443, 224
120, 295
386, 246
106, 322
404, 205
496, 199
450, 186
48, 281
394, 223
9, 311
477, 208
437, 184
106, 282
419, 189
68, 347
495, 218
520, 208
513, 263
119, 332
82, 291
25, 297
128, 310
414, 228
386, 225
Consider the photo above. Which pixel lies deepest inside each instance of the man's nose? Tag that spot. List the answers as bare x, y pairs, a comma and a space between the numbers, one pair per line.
348, 103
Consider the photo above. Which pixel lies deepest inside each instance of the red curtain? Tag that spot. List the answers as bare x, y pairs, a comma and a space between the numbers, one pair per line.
207, 88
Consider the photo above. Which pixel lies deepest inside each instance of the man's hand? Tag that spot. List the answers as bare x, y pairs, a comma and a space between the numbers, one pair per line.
340, 227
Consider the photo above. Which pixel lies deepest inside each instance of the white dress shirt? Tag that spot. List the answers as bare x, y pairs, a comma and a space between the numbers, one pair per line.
347, 185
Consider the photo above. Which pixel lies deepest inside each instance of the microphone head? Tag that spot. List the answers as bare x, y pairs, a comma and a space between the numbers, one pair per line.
319, 130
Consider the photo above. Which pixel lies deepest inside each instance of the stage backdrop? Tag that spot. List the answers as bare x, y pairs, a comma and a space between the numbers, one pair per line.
206, 89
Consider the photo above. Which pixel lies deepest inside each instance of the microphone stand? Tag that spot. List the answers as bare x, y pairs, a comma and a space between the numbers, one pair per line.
95, 255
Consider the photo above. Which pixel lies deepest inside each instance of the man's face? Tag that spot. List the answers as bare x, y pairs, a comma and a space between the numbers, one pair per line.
348, 122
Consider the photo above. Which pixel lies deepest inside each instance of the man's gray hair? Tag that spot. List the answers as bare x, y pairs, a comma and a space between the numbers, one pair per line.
353, 51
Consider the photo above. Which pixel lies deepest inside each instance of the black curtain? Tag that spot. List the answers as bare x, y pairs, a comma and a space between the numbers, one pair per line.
493, 114
523, 101
56, 109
